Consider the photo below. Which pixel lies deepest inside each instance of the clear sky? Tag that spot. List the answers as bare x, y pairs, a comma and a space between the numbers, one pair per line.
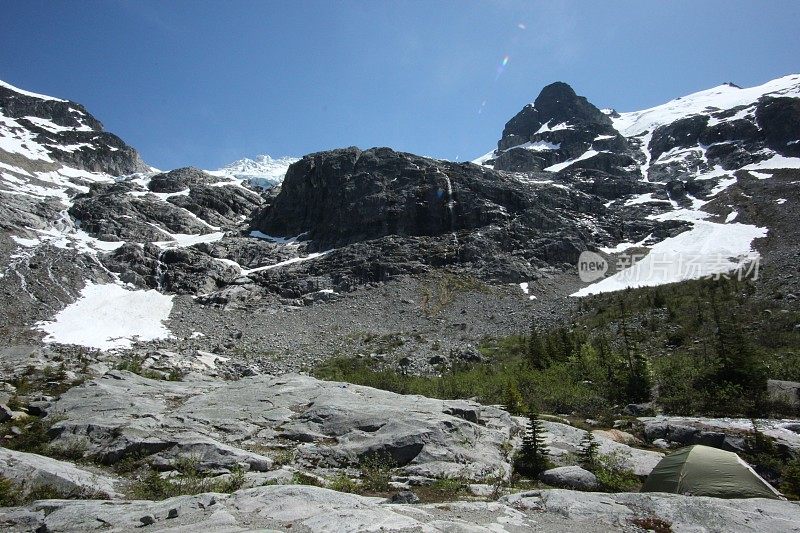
204, 83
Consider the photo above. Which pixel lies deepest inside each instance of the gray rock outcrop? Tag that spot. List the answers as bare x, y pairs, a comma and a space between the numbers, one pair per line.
31, 472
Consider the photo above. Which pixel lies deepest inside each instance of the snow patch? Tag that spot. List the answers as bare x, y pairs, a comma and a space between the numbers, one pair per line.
560, 126
539, 146
53, 127
525, 286
707, 249
287, 262
484, 158
776, 161
110, 316
644, 199
182, 240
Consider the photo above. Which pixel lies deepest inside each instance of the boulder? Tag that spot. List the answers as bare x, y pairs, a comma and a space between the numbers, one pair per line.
787, 392
564, 440
405, 496
725, 433
570, 477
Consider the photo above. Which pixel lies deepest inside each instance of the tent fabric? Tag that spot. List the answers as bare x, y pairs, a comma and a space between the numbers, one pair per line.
704, 471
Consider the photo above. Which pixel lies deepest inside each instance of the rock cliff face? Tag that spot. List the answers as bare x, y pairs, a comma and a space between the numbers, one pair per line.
385, 213
344, 196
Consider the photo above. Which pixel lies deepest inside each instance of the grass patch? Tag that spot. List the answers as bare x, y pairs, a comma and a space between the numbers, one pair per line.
188, 480
443, 289
135, 365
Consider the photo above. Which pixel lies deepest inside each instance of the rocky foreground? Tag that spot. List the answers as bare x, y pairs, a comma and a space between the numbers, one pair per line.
304, 508
283, 434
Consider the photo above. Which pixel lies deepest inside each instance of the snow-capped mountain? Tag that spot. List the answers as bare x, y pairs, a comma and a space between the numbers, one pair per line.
86, 224
263, 172
688, 152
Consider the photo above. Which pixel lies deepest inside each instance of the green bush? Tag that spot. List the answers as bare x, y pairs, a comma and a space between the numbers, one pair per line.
449, 488
790, 476
187, 480
10, 494
376, 472
343, 483
613, 475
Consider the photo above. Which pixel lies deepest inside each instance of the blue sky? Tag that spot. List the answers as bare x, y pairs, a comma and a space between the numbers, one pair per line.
204, 83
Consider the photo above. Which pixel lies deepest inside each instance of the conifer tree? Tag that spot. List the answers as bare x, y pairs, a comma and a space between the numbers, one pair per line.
513, 401
536, 353
587, 454
533, 457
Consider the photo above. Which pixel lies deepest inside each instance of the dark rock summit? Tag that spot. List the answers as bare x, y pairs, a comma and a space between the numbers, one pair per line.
557, 127
179, 180
349, 195
387, 213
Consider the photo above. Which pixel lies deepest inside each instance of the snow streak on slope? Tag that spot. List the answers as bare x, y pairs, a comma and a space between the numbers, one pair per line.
263, 171
716, 99
110, 316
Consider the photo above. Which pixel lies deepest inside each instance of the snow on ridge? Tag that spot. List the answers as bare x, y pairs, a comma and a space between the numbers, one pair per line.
561, 166
539, 146
560, 126
484, 158
110, 316
29, 93
53, 127
717, 98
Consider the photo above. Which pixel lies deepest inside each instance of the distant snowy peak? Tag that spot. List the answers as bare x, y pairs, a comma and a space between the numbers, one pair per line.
723, 97
263, 171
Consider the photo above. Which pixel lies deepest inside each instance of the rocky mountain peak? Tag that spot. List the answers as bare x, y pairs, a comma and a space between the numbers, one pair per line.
558, 103
558, 127
46, 129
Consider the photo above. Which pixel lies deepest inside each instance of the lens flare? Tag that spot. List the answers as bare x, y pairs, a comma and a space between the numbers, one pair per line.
505, 60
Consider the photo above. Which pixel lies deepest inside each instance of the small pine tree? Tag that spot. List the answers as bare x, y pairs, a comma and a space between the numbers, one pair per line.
658, 299
533, 457
536, 352
639, 378
589, 449
513, 401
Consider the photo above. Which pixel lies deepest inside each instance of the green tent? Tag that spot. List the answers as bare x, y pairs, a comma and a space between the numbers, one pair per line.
704, 471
